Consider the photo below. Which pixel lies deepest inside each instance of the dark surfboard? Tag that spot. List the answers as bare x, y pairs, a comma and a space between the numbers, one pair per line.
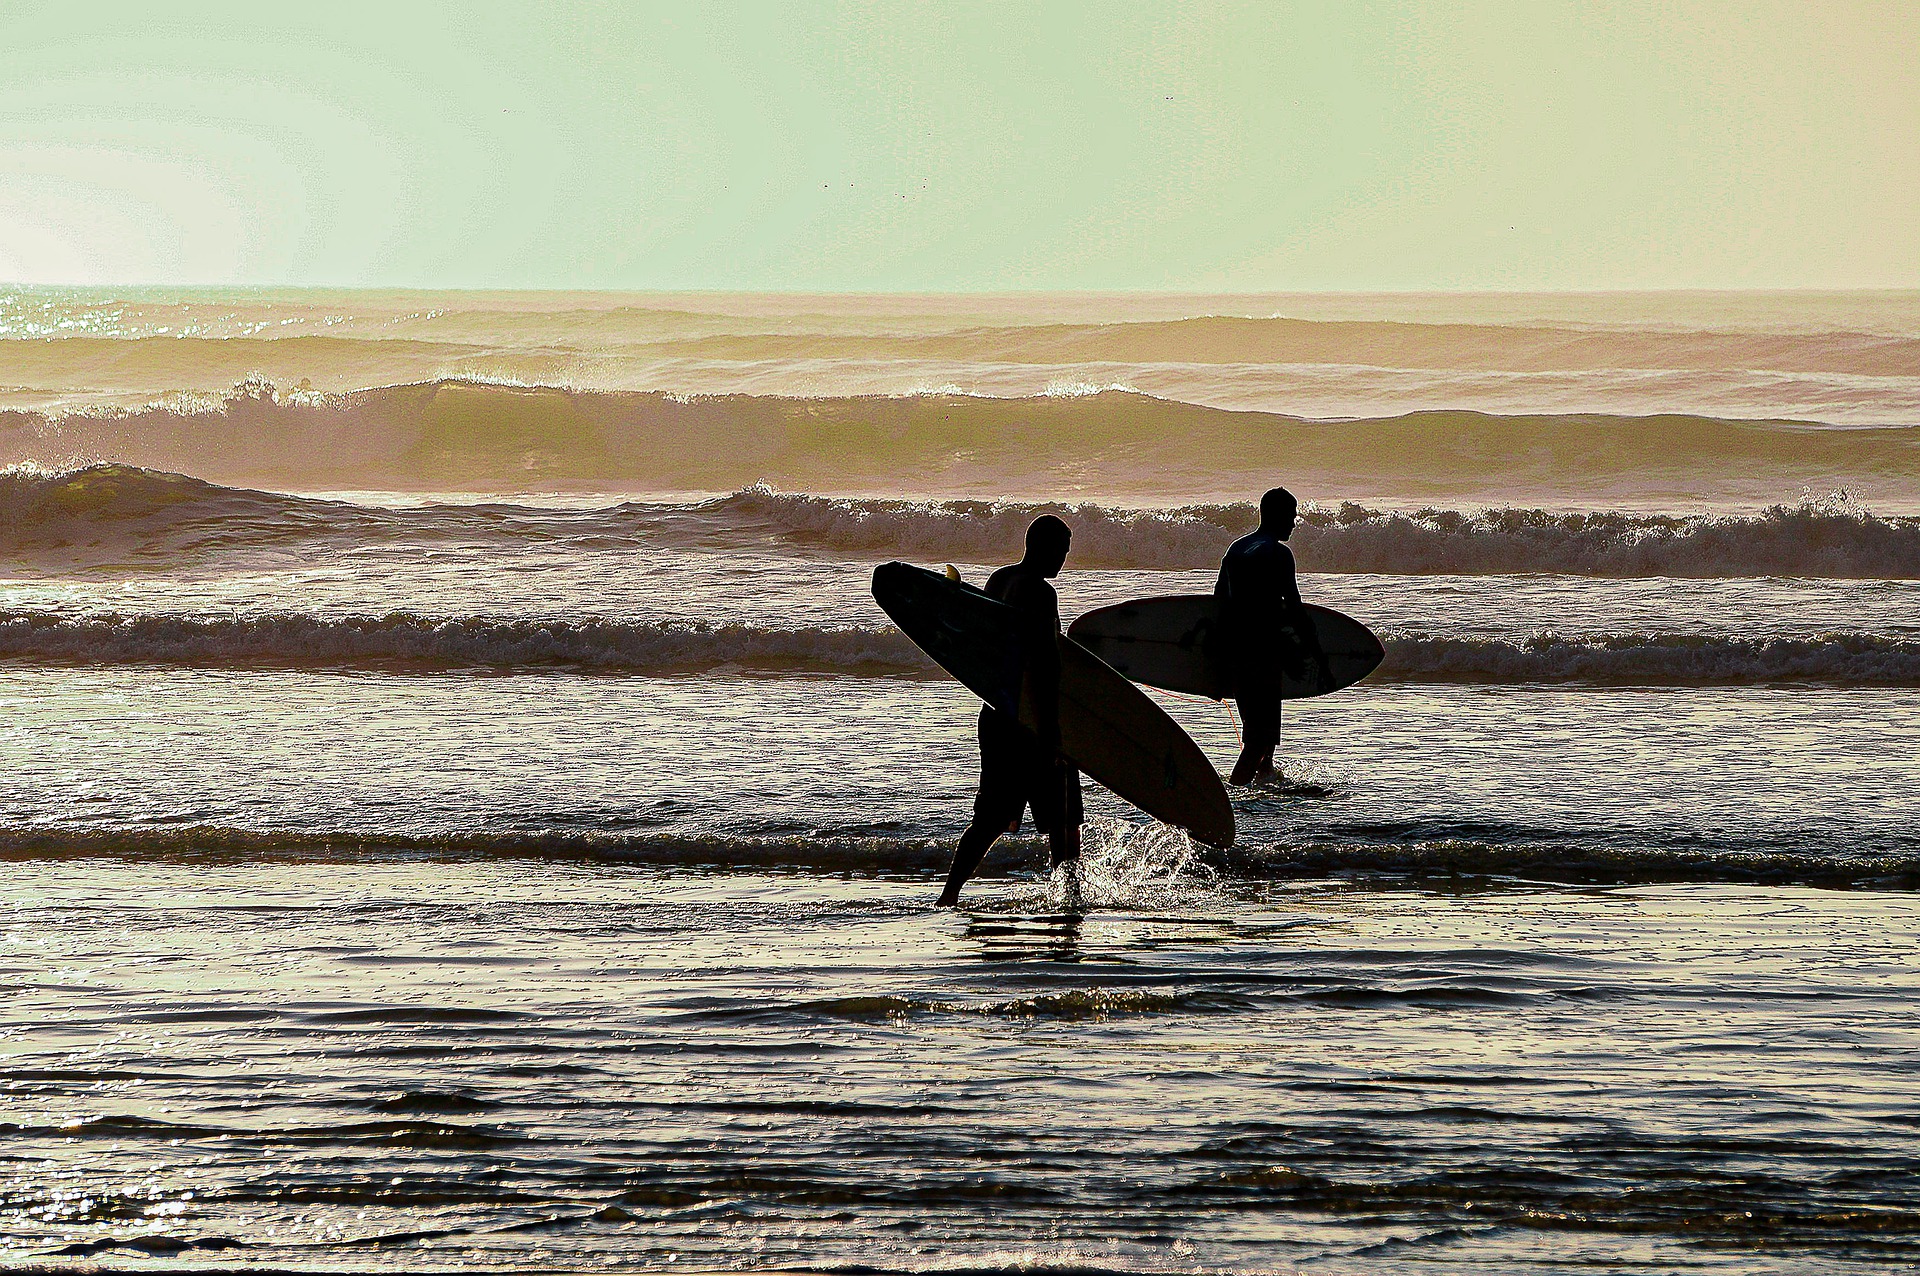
1169, 643
1110, 729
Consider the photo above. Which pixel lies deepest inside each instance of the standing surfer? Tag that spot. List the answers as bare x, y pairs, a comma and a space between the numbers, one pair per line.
1267, 630
1021, 768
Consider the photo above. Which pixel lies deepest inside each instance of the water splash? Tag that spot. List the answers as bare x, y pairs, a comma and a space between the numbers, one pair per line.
1304, 780
1129, 866
1840, 503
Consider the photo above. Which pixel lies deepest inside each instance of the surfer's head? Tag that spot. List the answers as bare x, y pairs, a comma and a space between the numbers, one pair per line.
1047, 541
1279, 512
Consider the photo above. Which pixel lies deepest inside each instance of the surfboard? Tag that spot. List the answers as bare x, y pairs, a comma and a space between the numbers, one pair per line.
1165, 643
1109, 728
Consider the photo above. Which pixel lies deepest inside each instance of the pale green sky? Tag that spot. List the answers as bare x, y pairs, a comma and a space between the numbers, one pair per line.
1266, 146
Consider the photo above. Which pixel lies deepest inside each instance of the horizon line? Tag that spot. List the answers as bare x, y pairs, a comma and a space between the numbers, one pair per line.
1693, 290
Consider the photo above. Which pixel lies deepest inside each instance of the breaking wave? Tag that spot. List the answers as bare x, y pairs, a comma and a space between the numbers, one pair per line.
403, 642
1814, 538
116, 513
492, 436
1409, 853
1578, 861
1655, 660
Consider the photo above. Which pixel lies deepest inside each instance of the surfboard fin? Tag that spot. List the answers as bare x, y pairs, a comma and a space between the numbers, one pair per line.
953, 573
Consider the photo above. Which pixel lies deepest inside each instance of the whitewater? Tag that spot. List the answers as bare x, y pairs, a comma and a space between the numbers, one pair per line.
461, 808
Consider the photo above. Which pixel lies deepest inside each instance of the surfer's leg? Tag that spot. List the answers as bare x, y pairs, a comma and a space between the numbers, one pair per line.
1246, 766
1267, 768
1260, 735
1063, 829
995, 807
1248, 763
993, 810
1064, 844
974, 845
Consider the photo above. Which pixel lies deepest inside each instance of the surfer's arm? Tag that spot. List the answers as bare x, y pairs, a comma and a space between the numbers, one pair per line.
1293, 613
1292, 609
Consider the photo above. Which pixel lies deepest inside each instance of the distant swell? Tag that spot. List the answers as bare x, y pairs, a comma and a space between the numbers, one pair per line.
557, 340
402, 642
122, 515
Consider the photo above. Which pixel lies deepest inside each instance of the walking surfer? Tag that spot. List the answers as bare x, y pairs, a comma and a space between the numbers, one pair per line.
1266, 630
1021, 768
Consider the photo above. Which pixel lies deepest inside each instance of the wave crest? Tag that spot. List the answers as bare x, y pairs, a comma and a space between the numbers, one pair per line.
470, 434
402, 642
1813, 538
1402, 853
108, 513
1654, 660
987, 531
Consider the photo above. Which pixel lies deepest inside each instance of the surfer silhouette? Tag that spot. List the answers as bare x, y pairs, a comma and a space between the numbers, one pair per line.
1266, 630
1021, 768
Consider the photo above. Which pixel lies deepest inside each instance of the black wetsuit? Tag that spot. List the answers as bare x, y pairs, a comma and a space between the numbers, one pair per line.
1017, 769
1265, 630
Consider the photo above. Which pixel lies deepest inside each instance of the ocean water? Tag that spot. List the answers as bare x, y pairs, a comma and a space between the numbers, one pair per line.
460, 807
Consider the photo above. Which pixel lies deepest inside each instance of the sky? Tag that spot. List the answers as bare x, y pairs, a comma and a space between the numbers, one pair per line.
1271, 146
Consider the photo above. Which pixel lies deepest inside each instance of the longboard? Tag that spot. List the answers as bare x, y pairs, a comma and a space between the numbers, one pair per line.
1168, 643
1108, 726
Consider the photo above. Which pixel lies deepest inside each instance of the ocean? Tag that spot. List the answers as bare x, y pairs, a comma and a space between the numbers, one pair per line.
461, 808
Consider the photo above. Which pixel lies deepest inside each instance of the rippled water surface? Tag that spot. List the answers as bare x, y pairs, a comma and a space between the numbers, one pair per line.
422, 1062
